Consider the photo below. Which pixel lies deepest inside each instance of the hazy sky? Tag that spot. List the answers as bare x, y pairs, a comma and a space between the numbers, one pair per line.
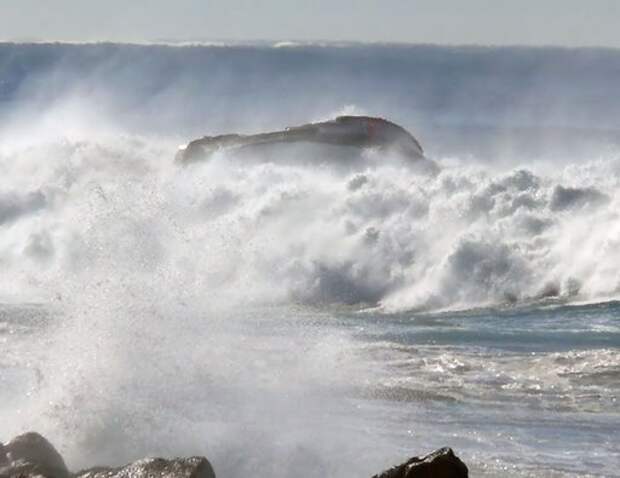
524, 22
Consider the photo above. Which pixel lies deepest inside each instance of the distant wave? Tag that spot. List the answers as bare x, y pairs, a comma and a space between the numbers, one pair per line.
198, 88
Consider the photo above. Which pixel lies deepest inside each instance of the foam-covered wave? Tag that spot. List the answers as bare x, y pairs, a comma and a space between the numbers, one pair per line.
156, 309
268, 231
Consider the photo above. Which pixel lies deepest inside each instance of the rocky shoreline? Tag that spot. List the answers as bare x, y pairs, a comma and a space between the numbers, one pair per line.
32, 456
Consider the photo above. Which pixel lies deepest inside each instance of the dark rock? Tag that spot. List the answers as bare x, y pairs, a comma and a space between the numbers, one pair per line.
194, 467
30, 455
442, 463
4, 460
356, 131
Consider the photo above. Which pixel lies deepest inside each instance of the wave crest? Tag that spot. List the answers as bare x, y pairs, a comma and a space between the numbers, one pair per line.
280, 231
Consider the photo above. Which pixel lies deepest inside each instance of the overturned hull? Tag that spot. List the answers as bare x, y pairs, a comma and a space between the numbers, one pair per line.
345, 131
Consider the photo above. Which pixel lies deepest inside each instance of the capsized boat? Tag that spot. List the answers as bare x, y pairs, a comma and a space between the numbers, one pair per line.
348, 131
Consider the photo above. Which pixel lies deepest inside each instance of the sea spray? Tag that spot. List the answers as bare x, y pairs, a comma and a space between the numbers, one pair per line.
279, 316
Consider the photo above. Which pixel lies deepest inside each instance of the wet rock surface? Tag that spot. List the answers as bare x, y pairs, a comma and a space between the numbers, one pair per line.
194, 467
31, 456
442, 463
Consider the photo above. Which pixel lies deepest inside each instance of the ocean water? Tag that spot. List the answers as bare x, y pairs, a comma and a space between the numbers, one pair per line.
288, 319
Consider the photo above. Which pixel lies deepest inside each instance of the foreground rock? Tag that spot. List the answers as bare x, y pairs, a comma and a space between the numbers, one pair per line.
30, 455
194, 467
442, 463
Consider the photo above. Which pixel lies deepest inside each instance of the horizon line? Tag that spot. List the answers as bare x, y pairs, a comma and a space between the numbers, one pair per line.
274, 43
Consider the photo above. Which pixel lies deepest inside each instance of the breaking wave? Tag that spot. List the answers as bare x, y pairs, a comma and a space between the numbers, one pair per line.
152, 309
523, 209
383, 236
